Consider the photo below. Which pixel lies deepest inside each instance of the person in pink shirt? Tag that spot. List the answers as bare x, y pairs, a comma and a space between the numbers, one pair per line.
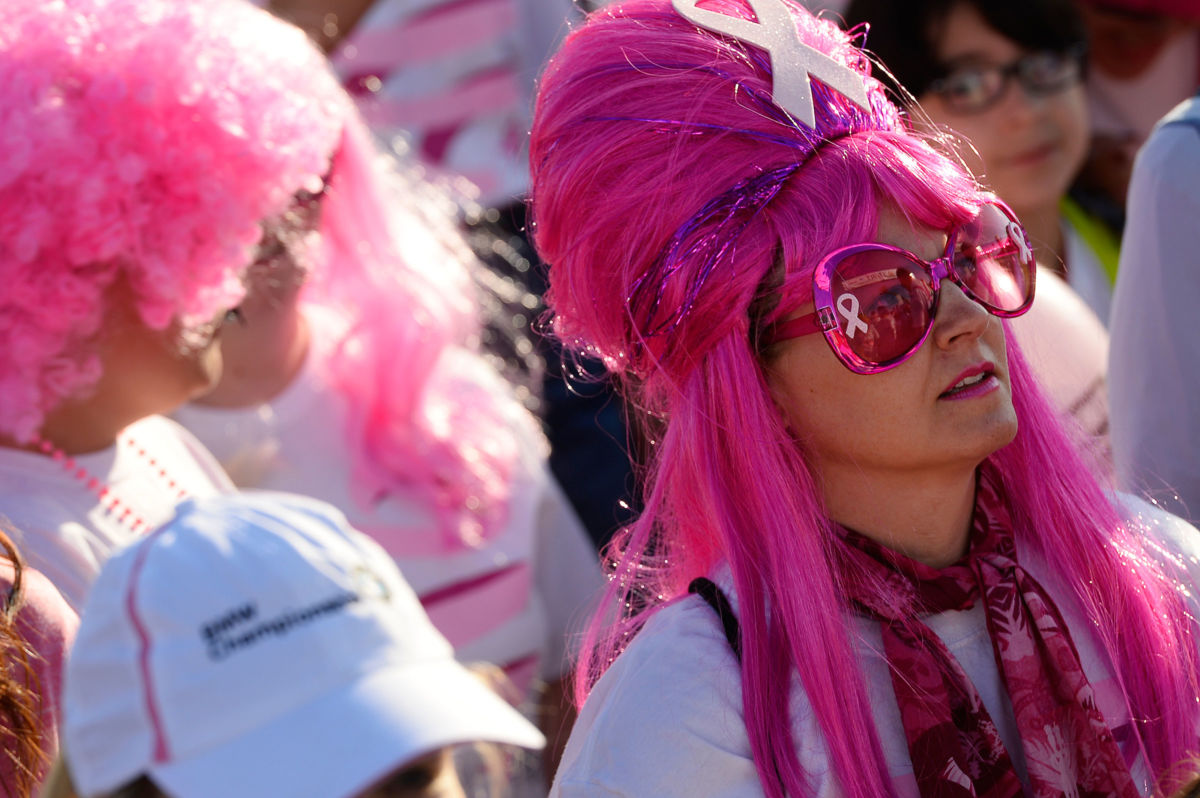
1007, 83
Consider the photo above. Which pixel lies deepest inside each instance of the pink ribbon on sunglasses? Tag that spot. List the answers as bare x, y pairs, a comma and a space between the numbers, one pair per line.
999, 256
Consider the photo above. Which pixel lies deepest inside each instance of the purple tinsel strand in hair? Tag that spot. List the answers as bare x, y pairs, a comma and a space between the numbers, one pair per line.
729, 212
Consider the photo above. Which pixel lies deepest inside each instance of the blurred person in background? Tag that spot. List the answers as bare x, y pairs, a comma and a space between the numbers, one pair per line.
1154, 363
355, 375
36, 629
449, 86
1008, 81
1144, 59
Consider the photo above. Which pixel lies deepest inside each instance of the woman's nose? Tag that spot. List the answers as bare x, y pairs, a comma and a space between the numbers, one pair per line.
959, 318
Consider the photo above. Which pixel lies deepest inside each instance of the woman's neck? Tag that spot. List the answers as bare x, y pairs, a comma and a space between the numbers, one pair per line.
124, 394
923, 516
80, 427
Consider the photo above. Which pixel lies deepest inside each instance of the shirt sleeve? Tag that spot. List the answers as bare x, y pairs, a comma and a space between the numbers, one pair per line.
1154, 355
665, 721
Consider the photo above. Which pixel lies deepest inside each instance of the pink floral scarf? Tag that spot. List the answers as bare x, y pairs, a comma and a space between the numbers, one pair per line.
955, 748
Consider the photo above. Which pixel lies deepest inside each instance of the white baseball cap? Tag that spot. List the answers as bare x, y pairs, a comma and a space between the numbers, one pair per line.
257, 645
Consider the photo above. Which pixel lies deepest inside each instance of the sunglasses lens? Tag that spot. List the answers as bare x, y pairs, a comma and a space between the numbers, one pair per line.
882, 302
994, 262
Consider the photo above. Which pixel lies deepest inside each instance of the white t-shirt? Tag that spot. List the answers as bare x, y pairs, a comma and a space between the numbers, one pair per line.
512, 601
1154, 362
61, 526
1085, 274
1067, 348
666, 720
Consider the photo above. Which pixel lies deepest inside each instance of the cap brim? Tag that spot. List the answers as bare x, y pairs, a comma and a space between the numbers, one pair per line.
345, 740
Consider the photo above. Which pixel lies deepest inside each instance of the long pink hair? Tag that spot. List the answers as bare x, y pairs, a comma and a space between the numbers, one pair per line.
642, 120
429, 416
144, 141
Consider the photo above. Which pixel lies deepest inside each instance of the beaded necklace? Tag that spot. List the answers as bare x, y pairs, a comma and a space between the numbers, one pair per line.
112, 504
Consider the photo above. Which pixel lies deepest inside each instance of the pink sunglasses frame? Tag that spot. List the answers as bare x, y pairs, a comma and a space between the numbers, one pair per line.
824, 320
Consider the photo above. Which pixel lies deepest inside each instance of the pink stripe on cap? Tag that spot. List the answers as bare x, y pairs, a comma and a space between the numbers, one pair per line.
459, 28
494, 92
162, 752
465, 610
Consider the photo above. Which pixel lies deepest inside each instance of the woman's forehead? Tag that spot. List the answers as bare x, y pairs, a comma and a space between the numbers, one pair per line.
895, 229
966, 39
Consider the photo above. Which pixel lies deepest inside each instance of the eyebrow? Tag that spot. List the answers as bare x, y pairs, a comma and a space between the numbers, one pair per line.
972, 60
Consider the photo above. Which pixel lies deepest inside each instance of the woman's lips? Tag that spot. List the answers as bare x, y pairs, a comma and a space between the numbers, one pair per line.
985, 386
973, 381
1034, 156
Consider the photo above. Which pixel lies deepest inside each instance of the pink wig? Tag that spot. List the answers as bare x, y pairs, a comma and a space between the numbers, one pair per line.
143, 141
428, 415
643, 120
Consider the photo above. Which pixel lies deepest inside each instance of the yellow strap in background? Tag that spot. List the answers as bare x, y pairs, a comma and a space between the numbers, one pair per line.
1099, 239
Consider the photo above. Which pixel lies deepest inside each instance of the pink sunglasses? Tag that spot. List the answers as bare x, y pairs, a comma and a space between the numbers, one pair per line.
876, 303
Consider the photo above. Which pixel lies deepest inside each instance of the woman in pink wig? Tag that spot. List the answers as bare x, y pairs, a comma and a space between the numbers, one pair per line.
355, 376
909, 582
144, 154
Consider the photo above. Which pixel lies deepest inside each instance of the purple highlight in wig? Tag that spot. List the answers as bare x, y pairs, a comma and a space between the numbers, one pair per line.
722, 220
726, 215
143, 141
626, 153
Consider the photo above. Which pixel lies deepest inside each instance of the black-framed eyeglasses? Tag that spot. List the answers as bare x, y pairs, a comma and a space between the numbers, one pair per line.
974, 89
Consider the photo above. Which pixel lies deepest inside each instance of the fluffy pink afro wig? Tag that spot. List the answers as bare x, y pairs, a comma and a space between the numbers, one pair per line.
144, 141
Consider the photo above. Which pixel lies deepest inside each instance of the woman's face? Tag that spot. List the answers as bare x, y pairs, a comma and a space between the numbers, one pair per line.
1029, 147
906, 418
267, 334
431, 776
158, 370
